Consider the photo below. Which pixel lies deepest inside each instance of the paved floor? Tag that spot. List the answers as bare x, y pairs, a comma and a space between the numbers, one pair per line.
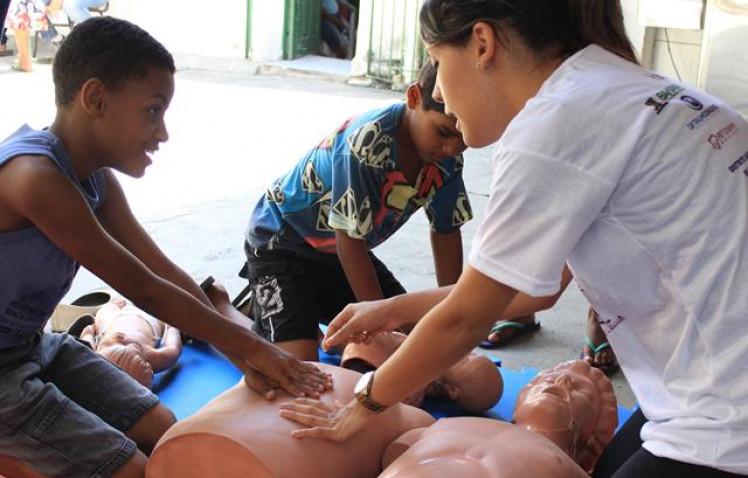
232, 133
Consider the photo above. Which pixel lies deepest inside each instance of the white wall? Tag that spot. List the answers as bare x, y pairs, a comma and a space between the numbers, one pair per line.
197, 27
267, 30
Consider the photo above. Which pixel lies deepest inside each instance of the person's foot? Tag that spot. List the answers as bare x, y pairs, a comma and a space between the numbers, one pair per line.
504, 330
596, 350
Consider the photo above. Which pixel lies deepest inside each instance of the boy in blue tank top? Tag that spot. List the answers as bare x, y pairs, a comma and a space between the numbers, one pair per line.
310, 236
64, 410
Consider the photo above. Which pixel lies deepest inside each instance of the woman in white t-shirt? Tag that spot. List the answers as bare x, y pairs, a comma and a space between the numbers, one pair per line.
637, 182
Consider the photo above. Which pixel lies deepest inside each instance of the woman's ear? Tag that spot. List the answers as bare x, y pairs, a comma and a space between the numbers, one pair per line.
484, 37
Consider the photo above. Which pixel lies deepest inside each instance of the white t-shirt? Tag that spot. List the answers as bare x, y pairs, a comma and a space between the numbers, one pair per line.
641, 184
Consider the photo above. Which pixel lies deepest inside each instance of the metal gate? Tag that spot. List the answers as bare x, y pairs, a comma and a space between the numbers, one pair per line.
395, 51
301, 29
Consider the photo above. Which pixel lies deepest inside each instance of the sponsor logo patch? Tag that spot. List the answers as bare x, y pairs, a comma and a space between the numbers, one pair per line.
658, 107
669, 92
718, 139
702, 118
692, 102
737, 164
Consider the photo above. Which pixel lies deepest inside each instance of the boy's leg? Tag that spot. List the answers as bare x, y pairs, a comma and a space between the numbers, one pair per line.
53, 434
285, 309
106, 391
387, 281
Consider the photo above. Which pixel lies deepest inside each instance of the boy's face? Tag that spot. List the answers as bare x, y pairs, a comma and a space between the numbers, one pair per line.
132, 123
433, 134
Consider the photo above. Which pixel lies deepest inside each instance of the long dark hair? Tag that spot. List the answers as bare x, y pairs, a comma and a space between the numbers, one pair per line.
550, 28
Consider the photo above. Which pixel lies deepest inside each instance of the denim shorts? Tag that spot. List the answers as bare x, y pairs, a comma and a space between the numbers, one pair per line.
64, 408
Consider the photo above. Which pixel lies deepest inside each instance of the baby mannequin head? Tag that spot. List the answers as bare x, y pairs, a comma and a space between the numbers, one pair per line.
129, 359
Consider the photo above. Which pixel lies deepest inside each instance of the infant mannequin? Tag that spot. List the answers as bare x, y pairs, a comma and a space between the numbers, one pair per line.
474, 383
242, 434
131, 339
564, 418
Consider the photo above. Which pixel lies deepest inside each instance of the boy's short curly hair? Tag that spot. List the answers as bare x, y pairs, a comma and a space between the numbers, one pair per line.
109, 49
427, 80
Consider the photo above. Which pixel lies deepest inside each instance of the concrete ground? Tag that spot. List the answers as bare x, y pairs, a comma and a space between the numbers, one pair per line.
231, 133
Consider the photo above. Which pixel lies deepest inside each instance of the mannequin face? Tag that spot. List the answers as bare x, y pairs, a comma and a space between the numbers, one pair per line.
573, 405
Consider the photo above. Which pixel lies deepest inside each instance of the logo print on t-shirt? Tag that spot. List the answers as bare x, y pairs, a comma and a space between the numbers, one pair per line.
462, 212
718, 139
737, 164
357, 221
692, 102
310, 181
370, 145
658, 107
323, 216
663, 97
275, 194
699, 121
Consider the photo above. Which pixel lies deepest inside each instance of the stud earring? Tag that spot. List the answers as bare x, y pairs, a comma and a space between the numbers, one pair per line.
477, 66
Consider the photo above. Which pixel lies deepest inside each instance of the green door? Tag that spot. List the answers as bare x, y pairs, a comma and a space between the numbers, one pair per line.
301, 30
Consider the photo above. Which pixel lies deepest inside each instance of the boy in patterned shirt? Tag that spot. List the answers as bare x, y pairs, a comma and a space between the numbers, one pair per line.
310, 237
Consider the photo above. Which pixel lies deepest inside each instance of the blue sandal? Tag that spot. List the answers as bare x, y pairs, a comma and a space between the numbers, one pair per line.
519, 329
608, 368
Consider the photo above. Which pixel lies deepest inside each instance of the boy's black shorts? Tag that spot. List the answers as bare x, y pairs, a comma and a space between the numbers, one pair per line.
294, 294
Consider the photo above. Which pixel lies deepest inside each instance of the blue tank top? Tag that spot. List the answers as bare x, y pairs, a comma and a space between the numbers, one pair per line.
34, 273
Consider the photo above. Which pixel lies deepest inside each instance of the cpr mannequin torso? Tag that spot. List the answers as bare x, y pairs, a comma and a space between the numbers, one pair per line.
564, 418
474, 383
241, 434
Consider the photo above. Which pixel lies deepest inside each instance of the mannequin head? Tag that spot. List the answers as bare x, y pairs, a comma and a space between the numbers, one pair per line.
129, 359
477, 383
474, 382
241, 434
574, 406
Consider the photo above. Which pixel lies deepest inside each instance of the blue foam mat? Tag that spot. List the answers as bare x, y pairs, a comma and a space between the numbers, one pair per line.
202, 374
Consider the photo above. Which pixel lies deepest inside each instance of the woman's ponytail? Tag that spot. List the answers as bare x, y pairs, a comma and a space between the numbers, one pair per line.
601, 22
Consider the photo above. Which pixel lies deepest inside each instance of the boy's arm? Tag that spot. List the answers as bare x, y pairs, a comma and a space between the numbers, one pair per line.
359, 270
447, 250
63, 216
118, 220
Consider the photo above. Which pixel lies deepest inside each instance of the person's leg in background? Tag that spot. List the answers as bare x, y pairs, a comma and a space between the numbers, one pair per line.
78, 10
23, 46
4, 4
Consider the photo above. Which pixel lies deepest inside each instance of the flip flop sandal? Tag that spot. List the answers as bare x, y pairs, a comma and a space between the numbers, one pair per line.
520, 329
76, 328
608, 368
65, 315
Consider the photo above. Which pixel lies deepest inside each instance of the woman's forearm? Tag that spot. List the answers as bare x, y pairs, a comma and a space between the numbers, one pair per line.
446, 334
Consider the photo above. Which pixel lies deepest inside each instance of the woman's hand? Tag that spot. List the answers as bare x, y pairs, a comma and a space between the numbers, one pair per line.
323, 421
268, 368
359, 322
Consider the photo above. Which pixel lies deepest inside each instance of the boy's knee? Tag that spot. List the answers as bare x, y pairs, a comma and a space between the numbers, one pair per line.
134, 467
151, 427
